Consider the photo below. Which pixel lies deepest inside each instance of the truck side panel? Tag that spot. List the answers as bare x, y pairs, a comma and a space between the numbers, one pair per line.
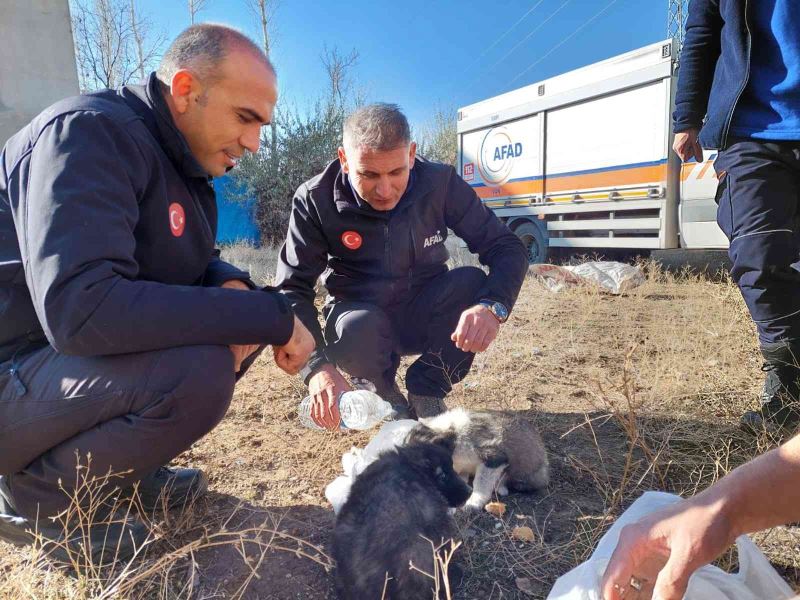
504, 161
612, 141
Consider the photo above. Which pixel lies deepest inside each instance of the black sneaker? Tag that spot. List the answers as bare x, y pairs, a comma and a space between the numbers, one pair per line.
116, 537
780, 396
171, 488
426, 406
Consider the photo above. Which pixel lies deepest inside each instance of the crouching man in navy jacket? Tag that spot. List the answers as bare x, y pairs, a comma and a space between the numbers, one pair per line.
377, 219
121, 330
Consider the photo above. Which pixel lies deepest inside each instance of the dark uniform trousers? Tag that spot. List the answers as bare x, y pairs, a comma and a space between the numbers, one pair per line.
367, 341
759, 202
130, 412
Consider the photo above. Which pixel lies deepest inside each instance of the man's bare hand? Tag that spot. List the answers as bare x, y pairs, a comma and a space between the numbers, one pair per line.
687, 146
477, 328
292, 356
325, 387
664, 549
240, 352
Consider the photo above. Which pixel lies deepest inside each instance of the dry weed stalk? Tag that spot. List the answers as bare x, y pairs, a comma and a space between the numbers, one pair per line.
623, 405
442, 555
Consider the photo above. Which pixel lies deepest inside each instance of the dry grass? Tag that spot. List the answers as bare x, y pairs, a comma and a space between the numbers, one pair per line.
260, 262
163, 566
631, 393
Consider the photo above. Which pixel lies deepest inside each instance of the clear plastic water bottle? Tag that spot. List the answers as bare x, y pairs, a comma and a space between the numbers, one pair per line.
359, 409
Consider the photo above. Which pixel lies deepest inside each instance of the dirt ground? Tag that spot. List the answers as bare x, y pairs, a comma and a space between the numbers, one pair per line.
631, 393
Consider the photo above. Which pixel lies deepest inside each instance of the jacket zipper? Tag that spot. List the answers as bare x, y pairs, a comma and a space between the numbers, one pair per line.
411, 254
14, 372
387, 248
18, 384
198, 203
744, 82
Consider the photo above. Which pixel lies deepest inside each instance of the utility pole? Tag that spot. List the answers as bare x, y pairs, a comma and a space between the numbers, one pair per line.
676, 22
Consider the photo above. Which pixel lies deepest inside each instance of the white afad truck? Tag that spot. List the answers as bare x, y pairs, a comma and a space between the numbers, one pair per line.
583, 160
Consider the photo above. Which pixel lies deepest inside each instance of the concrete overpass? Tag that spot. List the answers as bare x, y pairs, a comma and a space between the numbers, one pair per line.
38, 60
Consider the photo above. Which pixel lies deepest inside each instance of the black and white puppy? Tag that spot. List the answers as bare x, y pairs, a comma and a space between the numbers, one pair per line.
499, 451
394, 505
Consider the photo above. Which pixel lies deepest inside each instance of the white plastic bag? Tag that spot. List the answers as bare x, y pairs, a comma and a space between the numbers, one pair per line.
613, 277
354, 462
756, 579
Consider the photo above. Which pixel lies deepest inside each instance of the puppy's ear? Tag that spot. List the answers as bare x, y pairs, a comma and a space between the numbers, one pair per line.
446, 440
417, 454
423, 434
492, 456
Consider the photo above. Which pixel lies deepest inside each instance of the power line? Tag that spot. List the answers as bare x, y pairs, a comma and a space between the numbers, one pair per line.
566, 39
523, 40
505, 33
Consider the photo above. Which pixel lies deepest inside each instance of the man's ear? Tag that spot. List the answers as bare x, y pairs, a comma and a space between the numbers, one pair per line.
184, 88
412, 154
343, 159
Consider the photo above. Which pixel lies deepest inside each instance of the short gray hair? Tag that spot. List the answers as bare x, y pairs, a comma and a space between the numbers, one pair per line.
202, 48
377, 126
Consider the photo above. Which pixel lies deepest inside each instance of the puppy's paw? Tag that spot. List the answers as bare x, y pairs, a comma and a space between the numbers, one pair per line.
475, 503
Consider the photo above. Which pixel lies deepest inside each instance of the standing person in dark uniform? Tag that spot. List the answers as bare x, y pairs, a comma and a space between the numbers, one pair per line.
378, 219
740, 71
121, 330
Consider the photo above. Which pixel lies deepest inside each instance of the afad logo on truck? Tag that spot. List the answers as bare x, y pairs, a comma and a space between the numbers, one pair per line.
496, 156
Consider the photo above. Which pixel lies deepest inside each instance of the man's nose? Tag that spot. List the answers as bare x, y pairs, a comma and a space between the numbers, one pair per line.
251, 138
384, 187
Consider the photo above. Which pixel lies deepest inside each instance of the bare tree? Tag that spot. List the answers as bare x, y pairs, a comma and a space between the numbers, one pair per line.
437, 138
338, 67
113, 42
195, 6
137, 38
264, 11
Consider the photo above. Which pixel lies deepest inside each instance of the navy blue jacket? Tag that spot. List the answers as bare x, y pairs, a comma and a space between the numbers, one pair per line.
384, 258
107, 231
714, 68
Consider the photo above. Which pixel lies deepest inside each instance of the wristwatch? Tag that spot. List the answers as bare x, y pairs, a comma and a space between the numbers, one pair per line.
497, 309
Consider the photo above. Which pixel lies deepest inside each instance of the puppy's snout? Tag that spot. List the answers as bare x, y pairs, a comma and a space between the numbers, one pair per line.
461, 491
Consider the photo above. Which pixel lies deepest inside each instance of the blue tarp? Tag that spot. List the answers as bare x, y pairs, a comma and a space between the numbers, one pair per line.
236, 221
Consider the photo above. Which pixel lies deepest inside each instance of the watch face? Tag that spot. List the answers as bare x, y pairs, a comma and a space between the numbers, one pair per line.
498, 310
501, 311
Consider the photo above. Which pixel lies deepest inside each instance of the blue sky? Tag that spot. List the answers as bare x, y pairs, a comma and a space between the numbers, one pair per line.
424, 54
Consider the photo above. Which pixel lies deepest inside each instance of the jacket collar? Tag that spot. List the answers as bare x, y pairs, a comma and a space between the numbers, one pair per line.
148, 102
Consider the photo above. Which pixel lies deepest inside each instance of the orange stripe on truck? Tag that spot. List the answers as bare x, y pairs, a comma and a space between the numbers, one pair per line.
513, 188
606, 179
584, 181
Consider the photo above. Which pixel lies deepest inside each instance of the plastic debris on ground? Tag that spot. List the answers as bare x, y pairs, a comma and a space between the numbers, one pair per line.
610, 276
354, 461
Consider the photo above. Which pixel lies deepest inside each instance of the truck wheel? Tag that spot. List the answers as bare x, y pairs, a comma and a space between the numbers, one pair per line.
536, 241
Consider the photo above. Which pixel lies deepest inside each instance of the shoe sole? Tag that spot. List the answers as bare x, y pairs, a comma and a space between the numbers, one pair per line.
14, 530
198, 489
